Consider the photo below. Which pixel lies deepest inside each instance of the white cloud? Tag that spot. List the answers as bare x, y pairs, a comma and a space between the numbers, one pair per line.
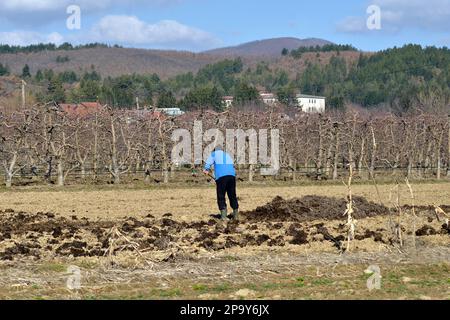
396, 15
124, 30
24, 38
352, 24
18, 6
24, 6
39, 12
129, 30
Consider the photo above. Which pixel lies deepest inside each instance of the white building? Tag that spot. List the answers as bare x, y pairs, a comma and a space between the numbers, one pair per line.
268, 98
311, 103
227, 101
173, 112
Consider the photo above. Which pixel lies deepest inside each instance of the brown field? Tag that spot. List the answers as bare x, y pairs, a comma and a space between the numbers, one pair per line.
187, 203
137, 242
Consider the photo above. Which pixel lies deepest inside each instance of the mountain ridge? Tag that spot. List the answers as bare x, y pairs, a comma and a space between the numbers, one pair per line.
271, 47
113, 61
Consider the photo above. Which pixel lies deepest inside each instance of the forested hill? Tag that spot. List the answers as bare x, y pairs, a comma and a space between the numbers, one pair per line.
269, 47
407, 76
400, 78
109, 61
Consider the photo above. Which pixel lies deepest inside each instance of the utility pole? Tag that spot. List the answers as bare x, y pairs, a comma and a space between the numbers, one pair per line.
23, 93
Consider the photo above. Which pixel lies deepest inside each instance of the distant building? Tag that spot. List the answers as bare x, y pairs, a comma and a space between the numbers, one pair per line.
227, 101
82, 109
268, 98
311, 104
172, 112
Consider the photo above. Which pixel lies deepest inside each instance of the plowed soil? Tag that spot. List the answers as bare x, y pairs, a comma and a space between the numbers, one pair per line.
311, 208
278, 224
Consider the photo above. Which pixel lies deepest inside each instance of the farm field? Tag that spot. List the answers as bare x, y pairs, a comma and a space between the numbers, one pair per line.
164, 243
191, 202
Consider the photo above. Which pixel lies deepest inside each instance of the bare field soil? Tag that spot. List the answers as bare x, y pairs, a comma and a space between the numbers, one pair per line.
188, 203
165, 243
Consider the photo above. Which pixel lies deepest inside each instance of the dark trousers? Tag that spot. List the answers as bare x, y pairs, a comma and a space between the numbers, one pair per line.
226, 185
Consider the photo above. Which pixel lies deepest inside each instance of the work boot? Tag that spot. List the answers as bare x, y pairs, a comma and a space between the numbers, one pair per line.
223, 214
236, 214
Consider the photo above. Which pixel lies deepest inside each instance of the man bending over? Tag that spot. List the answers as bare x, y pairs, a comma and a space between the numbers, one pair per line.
225, 176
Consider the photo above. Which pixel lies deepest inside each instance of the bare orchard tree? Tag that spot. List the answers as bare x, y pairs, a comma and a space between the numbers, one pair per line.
13, 143
57, 139
120, 129
48, 139
84, 144
165, 127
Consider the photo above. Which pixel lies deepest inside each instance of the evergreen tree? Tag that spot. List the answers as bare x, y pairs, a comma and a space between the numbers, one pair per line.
55, 91
39, 76
166, 100
245, 93
89, 90
26, 72
4, 71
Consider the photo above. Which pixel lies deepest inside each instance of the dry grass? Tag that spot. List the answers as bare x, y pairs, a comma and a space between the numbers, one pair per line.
189, 203
229, 277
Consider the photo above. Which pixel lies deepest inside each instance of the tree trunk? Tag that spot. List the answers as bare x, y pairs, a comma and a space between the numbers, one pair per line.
373, 154
336, 154
83, 170
115, 170
361, 156
320, 154
294, 171
173, 170
95, 152
427, 156
439, 163
8, 179
409, 167
448, 149
166, 172
9, 171
60, 170
329, 158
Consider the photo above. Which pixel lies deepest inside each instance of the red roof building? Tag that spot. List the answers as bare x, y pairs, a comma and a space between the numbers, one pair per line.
82, 109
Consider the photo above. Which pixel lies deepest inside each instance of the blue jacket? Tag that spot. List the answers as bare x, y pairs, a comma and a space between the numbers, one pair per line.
223, 164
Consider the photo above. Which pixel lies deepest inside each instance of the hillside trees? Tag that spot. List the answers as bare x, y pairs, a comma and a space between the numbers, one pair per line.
166, 100
47, 47
205, 97
55, 91
4, 70
26, 71
245, 93
400, 79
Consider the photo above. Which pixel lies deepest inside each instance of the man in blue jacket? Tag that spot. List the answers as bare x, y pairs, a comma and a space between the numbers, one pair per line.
225, 176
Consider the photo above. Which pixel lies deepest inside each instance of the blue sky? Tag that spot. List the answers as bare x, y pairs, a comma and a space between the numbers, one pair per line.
203, 24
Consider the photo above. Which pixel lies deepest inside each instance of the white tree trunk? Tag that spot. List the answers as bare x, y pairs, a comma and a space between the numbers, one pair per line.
60, 170
8, 179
